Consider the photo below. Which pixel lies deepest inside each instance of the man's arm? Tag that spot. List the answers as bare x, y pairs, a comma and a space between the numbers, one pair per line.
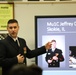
60, 57
37, 51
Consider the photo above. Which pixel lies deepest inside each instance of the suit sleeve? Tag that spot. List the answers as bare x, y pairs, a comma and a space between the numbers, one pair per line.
60, 57
35, 52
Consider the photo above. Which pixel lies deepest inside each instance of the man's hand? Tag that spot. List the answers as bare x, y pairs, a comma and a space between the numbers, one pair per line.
49, 61
48, 45
55, 58
20, 58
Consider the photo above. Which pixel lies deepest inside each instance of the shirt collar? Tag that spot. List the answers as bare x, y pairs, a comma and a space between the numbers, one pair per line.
14, 38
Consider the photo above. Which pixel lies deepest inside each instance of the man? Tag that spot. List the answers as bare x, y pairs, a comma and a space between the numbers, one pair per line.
14, 50
54, 56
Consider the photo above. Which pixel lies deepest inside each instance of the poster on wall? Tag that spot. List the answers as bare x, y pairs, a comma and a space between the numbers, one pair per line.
6, 13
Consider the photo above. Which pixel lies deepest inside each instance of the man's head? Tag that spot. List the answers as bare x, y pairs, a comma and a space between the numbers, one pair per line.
12, 27
22, 69
53, 42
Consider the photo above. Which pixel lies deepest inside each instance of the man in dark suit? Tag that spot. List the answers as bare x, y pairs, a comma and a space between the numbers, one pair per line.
54, 56
12, 52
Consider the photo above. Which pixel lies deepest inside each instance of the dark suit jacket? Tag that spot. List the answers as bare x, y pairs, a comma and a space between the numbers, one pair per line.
9, 52
50, 55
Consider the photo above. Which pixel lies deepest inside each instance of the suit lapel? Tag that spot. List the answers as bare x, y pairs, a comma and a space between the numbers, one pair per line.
20, 43
21, 51
11, 41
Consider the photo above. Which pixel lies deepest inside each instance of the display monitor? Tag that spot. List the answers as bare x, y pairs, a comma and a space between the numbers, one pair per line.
61, 31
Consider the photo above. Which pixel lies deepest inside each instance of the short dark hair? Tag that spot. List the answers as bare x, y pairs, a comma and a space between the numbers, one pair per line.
22, 69
36, 69
12, 21
53, 40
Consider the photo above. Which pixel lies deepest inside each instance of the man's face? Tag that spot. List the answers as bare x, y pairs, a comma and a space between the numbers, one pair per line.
13, 29
53, 45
